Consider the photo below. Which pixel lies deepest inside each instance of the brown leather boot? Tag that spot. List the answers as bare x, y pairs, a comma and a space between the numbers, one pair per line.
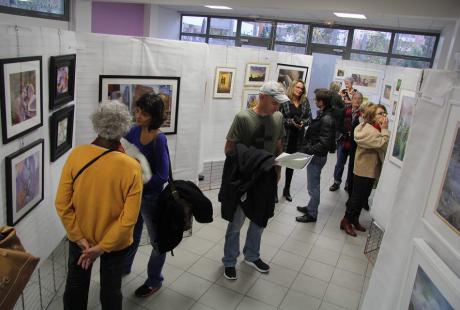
358, 226
346, 225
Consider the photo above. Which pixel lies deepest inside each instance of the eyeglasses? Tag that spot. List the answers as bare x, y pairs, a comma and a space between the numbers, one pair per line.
382, 113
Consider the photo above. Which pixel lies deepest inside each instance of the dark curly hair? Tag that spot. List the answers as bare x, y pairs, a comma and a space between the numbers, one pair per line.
153, 105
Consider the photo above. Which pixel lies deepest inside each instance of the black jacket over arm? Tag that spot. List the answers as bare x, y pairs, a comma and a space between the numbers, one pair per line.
249, 180
320, 136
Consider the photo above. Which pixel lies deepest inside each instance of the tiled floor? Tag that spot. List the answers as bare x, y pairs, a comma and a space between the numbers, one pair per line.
313, 266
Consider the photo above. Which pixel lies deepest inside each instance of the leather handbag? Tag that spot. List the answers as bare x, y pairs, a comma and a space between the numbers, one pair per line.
16, 267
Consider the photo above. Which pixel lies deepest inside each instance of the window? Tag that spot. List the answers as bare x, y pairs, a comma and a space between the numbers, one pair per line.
381, 60
194, 24
223, 27
414, 45
330, 36
290, 48
193, 39
372, 41
256, 29
52, 9
410, 63
217, 41
296, 33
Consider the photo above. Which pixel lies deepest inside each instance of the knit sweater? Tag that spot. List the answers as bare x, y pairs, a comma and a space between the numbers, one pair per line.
103, 204
372, 145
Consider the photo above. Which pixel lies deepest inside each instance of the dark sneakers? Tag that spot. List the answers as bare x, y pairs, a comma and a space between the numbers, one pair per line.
302, 209
334, 187
230, 273
306, 218
145, 291
259, 265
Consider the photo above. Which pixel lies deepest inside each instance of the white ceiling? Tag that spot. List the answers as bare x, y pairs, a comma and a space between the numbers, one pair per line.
432, 15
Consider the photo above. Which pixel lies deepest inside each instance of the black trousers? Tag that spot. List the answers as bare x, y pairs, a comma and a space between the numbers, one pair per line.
362, 188
291, 148
351, 165
78, 280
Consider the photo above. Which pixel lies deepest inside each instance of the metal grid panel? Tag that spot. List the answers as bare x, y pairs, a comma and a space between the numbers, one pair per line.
374, 239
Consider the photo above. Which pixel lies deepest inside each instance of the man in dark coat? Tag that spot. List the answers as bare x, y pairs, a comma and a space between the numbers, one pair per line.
260, 127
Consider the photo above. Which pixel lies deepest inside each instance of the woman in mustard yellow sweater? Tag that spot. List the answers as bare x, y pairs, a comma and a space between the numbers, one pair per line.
99, 208
371, 136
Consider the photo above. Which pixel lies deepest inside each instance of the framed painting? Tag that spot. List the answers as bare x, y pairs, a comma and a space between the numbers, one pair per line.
61, 132
61, 80
366, 81
256, 74
286, 74
339, 73
430, 283
20, 96
224, 82
250, 98
24, 181
386, 94
398, 85
127, 89
403, 122
442, 212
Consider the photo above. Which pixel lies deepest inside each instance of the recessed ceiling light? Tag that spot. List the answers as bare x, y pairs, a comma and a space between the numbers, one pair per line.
350, 15
218, 7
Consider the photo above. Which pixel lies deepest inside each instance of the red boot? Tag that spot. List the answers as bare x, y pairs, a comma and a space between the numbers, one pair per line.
358, 226
346, 225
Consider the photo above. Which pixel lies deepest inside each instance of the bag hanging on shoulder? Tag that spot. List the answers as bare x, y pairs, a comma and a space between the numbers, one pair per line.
16, 267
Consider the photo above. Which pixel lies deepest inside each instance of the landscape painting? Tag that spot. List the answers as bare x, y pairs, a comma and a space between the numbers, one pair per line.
256, 74
404, 117
425, 295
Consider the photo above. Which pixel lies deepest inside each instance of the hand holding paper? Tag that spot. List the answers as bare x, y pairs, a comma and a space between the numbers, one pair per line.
293, 161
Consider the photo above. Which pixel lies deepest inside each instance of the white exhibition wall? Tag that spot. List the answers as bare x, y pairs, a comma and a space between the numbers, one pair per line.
410, 208
41, 230
218, 112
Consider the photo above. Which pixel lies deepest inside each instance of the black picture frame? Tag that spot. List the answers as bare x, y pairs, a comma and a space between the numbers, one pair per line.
40, 14
25, 178
288, 67
57, 97
16, 119
61, 143
111, 85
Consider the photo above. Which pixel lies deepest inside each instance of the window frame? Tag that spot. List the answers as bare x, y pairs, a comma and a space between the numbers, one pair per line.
30, 13
344, 51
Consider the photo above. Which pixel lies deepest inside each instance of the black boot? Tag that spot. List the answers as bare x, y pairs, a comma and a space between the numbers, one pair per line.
287, 194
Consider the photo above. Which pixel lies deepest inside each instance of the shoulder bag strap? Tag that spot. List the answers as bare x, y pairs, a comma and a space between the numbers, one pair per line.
90, 163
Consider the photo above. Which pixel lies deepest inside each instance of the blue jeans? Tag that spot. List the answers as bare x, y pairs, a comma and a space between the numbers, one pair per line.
157, 259
313, 183
251, 248
342, 156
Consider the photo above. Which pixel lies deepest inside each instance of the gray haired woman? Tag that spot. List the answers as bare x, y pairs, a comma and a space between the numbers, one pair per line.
98, 201
348, 92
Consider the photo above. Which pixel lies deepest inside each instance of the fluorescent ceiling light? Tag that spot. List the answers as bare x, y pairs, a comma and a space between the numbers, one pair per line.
218, 7
349, 15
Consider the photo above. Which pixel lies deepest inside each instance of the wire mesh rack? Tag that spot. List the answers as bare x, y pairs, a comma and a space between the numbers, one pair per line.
374, 239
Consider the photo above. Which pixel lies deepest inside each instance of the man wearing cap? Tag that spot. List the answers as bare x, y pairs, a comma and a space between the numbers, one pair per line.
262, 128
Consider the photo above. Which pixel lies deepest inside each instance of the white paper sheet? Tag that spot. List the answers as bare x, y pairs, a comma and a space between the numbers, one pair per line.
293, 161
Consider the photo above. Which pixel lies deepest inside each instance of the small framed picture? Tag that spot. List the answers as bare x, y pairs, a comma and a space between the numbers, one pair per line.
61, 132
20, 96
24, 181
224, 82
430, 283
61, 80
256, 74
289, 73
386, 95
250, 98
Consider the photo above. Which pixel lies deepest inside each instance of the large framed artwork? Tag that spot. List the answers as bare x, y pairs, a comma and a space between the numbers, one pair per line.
127, 89
61, 80
224, 82
442, 211
20, 96
286, 74
403, 122
24, 181
256, 74
366, 81
430, 283
250, 98
61, 132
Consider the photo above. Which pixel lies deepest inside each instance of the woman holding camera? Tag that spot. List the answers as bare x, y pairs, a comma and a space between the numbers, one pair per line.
296, 116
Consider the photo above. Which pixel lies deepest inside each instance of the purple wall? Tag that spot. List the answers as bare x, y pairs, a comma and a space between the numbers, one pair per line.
117, 18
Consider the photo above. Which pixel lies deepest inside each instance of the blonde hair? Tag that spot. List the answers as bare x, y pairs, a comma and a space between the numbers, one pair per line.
370, 111
334, 86
290, 90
